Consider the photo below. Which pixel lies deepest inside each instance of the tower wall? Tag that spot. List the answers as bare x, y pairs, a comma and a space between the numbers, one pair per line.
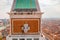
25, 23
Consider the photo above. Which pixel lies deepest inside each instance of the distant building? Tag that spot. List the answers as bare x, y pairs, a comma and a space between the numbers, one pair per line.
1, 23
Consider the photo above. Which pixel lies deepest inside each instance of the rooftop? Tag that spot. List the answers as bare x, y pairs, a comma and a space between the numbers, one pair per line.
25, 4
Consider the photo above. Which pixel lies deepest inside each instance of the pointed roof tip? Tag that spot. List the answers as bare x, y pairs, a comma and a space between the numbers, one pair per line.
25, 4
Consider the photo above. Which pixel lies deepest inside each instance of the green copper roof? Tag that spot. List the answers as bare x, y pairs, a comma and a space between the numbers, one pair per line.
25, 4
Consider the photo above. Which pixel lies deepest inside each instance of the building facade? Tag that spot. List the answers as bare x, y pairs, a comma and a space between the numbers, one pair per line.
25, 20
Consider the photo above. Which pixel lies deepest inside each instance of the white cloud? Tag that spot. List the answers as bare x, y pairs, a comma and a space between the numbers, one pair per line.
51, 8
5, 7
48, 2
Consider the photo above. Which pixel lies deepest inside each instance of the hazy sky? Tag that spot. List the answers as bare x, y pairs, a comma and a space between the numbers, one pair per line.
51, 8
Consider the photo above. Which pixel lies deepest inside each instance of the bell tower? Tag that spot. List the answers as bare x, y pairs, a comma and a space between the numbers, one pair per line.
25, 20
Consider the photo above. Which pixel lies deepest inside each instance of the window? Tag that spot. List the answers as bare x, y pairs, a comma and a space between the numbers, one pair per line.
36, 38
29, 39
14, 39
22, 39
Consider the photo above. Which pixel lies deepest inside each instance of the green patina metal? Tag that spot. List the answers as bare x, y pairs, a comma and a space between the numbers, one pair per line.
25, 4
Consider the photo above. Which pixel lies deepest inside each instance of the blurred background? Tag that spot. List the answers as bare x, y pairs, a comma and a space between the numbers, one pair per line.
50, 18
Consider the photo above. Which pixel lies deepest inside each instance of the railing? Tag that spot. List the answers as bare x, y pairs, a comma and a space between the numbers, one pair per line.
25, 13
